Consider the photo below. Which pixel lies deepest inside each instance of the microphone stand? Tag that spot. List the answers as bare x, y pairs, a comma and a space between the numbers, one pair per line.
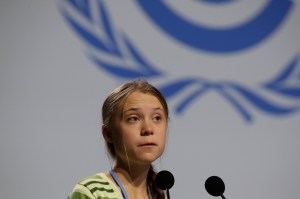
168, 194
223, 197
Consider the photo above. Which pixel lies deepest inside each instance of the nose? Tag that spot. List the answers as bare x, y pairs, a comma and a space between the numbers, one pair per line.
147, 128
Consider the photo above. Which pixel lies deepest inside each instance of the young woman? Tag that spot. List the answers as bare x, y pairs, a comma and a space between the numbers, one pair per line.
135, 119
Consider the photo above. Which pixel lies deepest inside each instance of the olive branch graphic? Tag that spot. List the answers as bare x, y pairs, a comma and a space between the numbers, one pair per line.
116, 54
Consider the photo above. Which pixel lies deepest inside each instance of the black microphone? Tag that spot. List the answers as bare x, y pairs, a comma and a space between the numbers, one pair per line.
215, 186
165, 181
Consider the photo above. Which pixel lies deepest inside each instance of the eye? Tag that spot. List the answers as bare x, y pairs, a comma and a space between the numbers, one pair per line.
133, 119
157, 118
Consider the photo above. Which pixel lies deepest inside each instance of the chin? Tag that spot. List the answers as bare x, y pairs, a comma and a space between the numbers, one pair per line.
150, 160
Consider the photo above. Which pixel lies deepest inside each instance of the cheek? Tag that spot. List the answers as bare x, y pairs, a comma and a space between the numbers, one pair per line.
163, 136
129, 134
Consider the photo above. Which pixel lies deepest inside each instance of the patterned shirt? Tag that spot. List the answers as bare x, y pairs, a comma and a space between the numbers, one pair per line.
98, 186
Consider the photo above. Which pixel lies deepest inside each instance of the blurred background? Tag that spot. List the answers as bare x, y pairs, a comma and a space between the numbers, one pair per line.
228, 68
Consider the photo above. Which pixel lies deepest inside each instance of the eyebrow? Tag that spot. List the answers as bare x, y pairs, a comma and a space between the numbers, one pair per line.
136, 109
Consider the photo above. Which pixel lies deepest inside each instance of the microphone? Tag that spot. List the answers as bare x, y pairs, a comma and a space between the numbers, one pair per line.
165, 181
215, 186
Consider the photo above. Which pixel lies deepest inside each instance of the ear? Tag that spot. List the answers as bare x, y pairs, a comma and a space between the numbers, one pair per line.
106, 134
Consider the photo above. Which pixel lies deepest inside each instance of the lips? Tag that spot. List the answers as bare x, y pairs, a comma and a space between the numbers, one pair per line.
148, 144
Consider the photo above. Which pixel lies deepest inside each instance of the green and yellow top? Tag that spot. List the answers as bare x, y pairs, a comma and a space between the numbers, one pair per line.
98, 186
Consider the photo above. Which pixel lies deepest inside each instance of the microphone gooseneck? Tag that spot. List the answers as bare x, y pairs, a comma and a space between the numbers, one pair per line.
164, 180
215, 186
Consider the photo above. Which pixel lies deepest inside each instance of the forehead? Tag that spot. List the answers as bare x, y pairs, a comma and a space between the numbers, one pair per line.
141, 99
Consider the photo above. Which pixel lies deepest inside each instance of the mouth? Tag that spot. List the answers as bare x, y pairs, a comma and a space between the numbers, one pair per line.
148, 144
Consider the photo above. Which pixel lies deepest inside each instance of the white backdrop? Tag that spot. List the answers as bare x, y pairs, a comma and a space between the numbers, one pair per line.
52, 93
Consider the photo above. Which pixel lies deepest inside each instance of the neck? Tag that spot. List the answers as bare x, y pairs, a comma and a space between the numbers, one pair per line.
134, 176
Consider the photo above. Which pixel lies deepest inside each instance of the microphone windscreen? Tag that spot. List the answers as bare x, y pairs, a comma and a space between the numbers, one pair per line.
215, 186
164, 180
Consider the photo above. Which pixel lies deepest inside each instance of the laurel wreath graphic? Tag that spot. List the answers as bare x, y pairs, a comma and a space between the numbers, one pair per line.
116, 54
